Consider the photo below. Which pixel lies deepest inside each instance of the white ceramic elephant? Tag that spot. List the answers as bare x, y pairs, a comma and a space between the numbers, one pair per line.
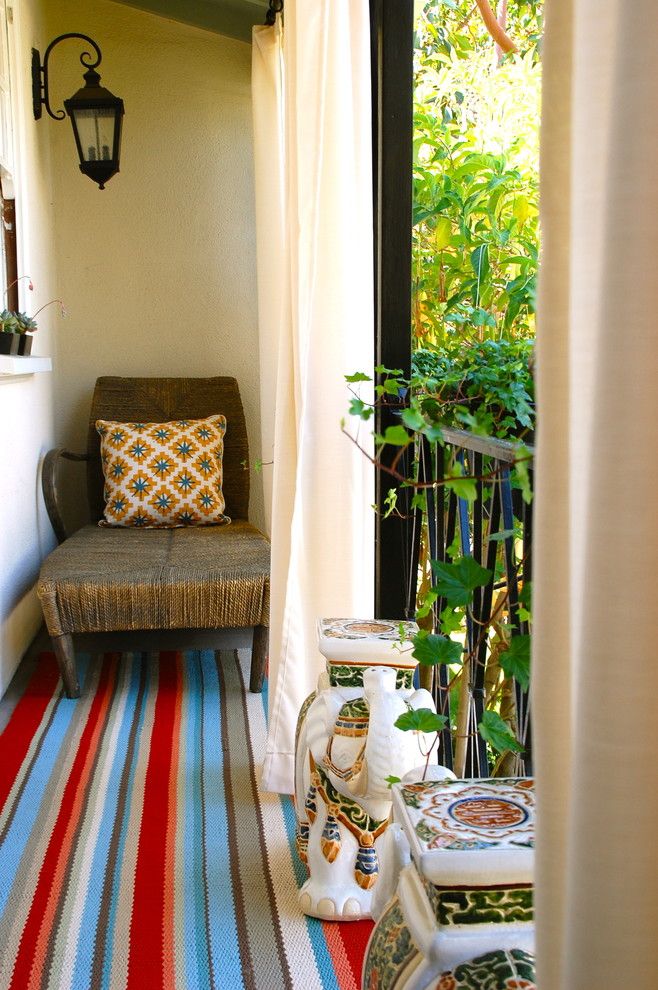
347, 746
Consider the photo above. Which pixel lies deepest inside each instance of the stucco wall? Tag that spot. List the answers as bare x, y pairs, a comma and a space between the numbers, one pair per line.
26, 421
157, 271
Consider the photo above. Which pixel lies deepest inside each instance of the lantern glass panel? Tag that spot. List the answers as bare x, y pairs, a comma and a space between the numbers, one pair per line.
96, 133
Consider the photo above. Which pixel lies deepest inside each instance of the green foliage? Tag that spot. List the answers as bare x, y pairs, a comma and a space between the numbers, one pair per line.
453, 28
496, 732
16, 322
8, 322
430, 649
456, 582
420, 720
486, 387
475, 220
475, 242
515, 660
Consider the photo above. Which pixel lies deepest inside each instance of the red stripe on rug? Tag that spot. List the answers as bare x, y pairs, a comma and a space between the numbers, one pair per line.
347, 942
169, 956
147, 925
28, 970
25, 721
354, 936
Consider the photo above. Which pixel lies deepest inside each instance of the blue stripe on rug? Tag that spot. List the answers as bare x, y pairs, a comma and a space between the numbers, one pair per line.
30, 804
225, 953
114, 901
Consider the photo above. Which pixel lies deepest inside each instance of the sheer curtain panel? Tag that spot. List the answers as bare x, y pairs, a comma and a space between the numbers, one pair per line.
595, 675
311, 93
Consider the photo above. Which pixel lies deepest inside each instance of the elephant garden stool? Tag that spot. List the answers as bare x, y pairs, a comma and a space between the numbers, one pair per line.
347, 746
467, 888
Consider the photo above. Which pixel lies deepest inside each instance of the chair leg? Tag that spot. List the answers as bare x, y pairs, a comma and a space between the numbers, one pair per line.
258, 658
65, 654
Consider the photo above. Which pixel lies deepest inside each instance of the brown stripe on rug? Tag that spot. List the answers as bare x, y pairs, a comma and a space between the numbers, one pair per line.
252, 883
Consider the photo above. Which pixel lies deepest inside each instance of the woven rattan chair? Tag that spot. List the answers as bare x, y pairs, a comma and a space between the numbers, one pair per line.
111, 579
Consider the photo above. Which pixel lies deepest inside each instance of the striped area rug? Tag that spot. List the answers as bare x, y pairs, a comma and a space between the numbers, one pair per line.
136, 850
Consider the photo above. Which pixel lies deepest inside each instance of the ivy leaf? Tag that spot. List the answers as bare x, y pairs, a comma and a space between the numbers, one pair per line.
390, 502
418, 501
464, 488
504, 534
413, 419
515, 660
396, 435
497, 733
521, 473
360, 409
432, 648
425, 607
455, 582
392, 779
451, 620
420, 720
392, 386
525, 595
358, 376
433, 434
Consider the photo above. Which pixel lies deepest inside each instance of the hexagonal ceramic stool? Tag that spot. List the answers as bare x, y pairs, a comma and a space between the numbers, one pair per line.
511, 969
468, 889
347, 746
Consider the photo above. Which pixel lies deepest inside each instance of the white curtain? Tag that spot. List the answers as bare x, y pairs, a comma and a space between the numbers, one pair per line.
595, 679
311, 94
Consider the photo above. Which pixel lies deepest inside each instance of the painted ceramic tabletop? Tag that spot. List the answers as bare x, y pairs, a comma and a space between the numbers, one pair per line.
365, 641
469, 831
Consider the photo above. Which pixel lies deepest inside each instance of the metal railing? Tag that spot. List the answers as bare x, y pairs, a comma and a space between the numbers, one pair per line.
496, 530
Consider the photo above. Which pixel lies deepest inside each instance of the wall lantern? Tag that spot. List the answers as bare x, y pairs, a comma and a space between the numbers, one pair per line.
96, 115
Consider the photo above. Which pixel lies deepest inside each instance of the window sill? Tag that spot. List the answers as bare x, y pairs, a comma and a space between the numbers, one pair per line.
16, 366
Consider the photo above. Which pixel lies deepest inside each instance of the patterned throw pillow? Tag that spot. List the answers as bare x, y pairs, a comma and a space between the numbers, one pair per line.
163, 475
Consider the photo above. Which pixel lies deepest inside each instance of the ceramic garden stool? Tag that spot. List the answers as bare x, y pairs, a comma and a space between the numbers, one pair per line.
467, 889
504, 969
347, 746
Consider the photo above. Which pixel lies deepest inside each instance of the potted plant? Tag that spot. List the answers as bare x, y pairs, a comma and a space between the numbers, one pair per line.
9, 336
17, 328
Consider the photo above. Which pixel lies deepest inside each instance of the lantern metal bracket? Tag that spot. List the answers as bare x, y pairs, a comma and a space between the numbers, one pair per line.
40, 95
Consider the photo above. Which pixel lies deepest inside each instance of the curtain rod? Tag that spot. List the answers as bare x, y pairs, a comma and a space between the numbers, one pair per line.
275, 7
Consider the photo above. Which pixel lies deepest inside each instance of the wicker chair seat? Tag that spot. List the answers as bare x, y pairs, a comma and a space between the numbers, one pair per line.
120, 579
206, 577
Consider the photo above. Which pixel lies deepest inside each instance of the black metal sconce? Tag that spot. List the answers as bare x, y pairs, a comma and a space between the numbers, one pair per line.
96, 115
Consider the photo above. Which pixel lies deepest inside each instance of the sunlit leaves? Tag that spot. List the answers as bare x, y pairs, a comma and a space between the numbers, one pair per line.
360, 409
420, 720
515, 660
497, 733
455, 582
431, 649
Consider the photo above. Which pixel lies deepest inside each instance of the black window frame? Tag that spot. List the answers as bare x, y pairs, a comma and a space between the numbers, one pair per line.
391, 35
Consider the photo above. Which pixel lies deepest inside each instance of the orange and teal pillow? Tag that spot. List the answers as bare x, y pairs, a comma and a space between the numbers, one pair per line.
163, 475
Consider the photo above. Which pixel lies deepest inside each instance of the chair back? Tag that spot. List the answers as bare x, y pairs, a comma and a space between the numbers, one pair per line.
158, 400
